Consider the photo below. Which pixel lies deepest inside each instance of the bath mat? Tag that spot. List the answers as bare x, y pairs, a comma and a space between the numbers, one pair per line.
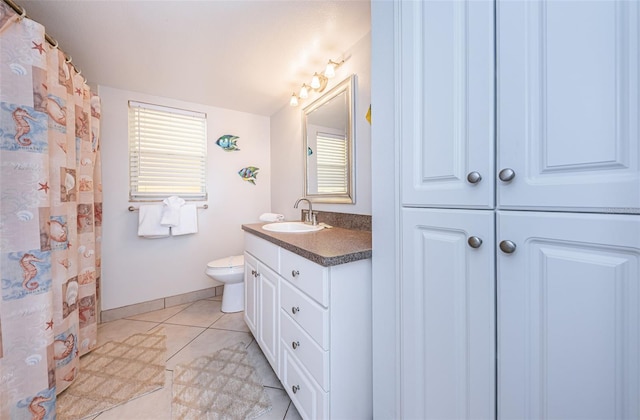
224, 385
113, 374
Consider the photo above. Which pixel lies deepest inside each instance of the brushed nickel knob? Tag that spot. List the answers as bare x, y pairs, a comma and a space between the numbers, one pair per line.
254, 273
506, 175
295, 273
474, 242
295, 344
295, 309
508, 247
295, 388
474, 177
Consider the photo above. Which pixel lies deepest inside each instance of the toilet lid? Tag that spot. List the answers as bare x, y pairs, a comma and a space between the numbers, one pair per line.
227, 262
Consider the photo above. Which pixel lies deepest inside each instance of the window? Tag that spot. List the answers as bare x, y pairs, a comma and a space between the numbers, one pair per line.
333, 175
167, 153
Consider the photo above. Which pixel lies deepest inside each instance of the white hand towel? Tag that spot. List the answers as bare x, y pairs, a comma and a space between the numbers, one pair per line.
149, 216
171, 211
271, 217
188, 221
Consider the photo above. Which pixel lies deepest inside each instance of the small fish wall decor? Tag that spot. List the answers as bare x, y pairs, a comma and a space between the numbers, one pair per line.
228, 143
249, 174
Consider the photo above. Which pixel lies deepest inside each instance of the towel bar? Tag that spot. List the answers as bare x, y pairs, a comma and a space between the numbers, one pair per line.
131, 208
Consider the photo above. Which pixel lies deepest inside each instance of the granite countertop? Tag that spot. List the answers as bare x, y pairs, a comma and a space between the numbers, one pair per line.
326, 247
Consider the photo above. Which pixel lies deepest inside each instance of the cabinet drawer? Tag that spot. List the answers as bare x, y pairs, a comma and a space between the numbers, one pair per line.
313, 318
302, 346
310, 400
311, 278
263, 250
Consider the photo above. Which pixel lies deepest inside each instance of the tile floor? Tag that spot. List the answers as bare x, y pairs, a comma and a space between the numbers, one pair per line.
193, 330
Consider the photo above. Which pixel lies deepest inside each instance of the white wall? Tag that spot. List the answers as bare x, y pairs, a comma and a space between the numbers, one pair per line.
135, 269
287, 154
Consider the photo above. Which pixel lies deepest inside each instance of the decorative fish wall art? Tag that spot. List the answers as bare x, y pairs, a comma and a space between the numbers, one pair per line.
249, 174
228, 143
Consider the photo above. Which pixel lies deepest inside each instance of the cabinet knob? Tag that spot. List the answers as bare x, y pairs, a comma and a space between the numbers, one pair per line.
295, 388
474, 177
508, 247
254, 273
474, 242
295, 344
295, 273
295, 309
506, 175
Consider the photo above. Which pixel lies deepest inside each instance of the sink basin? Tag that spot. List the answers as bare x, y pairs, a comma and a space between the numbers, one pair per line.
291, 227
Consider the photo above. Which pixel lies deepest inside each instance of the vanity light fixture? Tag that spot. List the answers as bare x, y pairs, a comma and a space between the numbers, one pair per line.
294, 100
304, 92
318, 83
330, 70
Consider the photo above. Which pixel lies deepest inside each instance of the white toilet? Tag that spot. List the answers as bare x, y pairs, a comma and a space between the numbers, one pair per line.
230, 271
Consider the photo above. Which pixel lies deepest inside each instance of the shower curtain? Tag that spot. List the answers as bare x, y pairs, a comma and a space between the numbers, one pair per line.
50, 219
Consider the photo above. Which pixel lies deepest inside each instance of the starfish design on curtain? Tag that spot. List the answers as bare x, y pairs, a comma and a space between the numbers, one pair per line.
38, 47
49, 324
44, 187
79, 91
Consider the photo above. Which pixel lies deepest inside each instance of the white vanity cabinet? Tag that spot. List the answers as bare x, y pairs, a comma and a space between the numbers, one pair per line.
261, 295
322, 320
250, 292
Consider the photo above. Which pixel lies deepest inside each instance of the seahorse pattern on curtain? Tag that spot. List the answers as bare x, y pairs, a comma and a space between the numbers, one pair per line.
50, 220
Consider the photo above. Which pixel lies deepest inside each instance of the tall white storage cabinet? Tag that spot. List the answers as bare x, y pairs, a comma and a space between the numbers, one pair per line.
517, 290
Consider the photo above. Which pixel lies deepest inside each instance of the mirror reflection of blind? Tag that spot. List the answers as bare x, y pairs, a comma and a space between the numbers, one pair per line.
331, 156
167, 153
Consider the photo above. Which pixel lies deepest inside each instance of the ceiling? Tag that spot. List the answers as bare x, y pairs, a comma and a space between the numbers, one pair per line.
242, 55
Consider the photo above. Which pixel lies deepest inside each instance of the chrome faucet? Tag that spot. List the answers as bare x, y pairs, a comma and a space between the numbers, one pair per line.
310, 216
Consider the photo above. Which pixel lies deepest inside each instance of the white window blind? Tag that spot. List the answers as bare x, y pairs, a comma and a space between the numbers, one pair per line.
167, 153
332, 163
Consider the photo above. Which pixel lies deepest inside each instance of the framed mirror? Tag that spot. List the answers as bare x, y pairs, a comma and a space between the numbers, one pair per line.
328, 137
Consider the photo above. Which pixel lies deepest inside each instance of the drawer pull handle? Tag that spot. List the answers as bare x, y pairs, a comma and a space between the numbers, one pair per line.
474, 177
295, 273
474, 242
508, 247
506, 175
295, 388
295, 344
254, 273
295, 309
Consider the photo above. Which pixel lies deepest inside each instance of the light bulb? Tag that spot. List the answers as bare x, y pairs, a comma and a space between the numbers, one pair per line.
304, 92
294, 100
315, 81
330, 70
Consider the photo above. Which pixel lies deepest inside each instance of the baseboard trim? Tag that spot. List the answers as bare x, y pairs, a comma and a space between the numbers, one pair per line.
157, 304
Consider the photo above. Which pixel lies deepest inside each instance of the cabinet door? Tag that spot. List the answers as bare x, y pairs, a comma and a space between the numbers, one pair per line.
568, 316
448, 315
250, 292
447, 106
568, 92
268, 310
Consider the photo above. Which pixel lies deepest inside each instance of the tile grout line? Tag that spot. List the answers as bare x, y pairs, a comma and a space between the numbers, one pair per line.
133, 319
